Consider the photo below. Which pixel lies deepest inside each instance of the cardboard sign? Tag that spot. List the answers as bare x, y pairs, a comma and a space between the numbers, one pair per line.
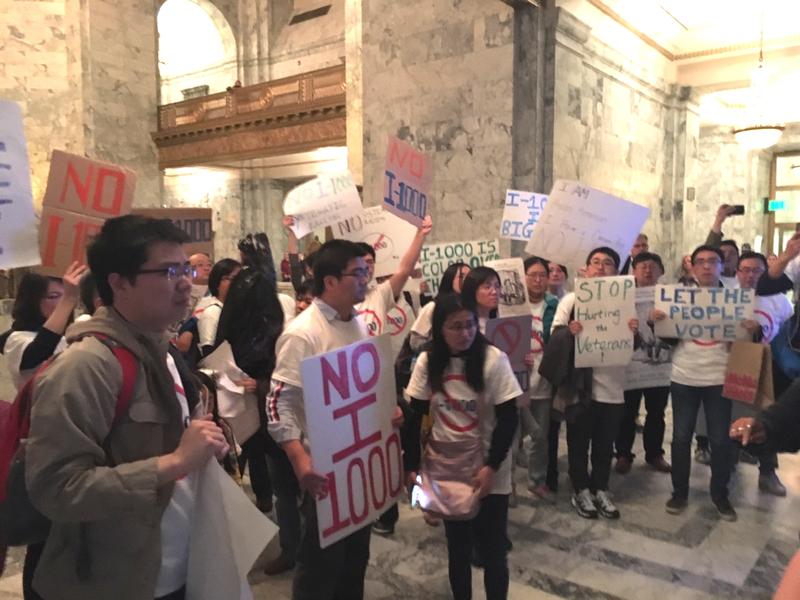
437, 257
577, 219
198, 224
521, 211
604, 305
81, 194
349, 402
19, 246
651, 365
389, 235
513, 291
748, 377
704, 313
407, 181
513, 336
323, 201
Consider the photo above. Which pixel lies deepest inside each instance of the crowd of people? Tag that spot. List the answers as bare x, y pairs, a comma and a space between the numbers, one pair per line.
118, 480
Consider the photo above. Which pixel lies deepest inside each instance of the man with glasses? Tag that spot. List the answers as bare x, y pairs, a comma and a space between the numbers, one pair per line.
340, 282
121, 489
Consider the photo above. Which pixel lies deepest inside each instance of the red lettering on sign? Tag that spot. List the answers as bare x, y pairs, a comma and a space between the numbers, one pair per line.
399, 152
377, 451
361, 385
51, 239
351, 410
333, 496
355, 515
338, 380
119, 188
83, 231
395, 483
81, 187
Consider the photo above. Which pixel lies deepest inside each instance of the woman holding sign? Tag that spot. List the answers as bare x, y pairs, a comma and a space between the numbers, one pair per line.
468, 388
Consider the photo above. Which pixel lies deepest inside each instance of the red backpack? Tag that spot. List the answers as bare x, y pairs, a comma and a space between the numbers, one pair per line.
20, 523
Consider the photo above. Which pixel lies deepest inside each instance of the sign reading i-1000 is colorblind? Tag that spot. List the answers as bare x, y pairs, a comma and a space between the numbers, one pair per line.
349, 403
407, 181
435, 258
81, 194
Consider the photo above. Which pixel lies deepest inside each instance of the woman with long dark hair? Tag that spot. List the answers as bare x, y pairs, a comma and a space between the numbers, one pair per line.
468, 389
481, 293
450, 283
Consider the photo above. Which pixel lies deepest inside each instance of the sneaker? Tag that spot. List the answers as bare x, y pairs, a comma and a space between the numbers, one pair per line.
623, 465
605, 506
278, 565
660, 465
769, 483
725, 510
676, 505
541, 491
382, 528
584, 504
702, 456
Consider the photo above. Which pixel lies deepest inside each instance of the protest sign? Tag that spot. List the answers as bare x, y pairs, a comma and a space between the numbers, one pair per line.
389, 235
748, 376
521, 211
577, 219
704, 313
604, 305
513, 336
196, 222
651, 365
437, 257
349, 402
81, 194
18, 243
513, 291
325, 200
407, 181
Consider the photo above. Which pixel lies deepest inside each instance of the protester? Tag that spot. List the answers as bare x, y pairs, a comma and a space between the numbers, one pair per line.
209, 308
421, 330
729, 248
557, 281
90, 298
201, 262
685, 276
481, 292
641, 244
647, 269
593, 420
121, 499
463, 370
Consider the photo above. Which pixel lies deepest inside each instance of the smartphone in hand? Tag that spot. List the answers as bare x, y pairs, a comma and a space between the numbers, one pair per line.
736, 209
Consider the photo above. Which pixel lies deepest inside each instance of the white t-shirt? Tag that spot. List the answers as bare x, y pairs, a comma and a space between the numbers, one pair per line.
207, 311
540, 388
461, 411
176, 522
729, 282
289, 308
15, 346
608, 383
771, 312
700, 363
375, 307
423, 325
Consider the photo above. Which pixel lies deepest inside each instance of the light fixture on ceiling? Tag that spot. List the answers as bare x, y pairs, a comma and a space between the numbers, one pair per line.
760, 132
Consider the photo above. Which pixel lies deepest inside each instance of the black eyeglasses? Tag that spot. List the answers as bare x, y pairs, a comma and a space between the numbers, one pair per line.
357, 273
172, 272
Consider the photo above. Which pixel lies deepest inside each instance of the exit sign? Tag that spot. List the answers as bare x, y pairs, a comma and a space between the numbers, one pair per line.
774, 205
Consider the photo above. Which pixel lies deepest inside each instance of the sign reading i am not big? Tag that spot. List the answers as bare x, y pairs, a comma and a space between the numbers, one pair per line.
349, 403
407, 181
81, 194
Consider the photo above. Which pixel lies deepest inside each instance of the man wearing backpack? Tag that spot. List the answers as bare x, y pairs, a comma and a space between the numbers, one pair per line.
120, 490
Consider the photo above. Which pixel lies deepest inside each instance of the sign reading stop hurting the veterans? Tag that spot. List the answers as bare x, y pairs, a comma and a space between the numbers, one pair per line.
81, 194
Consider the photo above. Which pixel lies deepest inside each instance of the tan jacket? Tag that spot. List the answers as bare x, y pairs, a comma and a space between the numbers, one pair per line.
105, 504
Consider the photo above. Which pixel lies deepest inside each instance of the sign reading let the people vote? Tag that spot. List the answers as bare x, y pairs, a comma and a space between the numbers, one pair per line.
81, 194
325, 200
604, 306
349, 402
407, 181
703, 313
435, 258
521, 211
18, 244
577, 219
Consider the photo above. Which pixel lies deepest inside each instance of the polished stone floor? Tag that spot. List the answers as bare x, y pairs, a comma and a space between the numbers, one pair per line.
647, 554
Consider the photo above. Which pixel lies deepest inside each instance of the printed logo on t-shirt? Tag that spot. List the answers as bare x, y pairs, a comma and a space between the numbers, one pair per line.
537, 339
371, 320
457, 415
396, 320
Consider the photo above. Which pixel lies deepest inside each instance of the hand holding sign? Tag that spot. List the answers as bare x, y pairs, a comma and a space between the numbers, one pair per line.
605, 317
703, 313
322, 201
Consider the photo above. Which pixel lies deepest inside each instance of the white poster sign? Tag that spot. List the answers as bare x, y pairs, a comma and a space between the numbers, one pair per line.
407, 181
604, 306
521, 211
389, 235
19, 241
435, 258
349, 402
651, 365
704, 313
578, 219
513, 291
325, 200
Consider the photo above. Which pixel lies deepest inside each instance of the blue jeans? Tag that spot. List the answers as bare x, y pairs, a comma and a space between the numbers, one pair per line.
686, 400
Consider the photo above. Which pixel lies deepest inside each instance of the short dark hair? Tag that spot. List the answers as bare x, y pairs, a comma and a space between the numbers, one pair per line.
756, 255
122, 246
536, 260
88, 293
608, 252
643, 256
331, 260
26, 312
365, 249
730, 243
220, 270
707, 248
306, 287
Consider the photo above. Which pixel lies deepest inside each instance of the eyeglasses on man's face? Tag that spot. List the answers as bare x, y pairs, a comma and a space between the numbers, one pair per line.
706, 262
357, 273
172, 272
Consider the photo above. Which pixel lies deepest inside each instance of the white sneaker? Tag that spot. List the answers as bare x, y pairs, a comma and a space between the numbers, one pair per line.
584, 505
605, 506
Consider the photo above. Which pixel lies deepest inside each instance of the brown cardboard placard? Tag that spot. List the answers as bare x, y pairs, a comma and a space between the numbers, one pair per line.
198, 223
748, 377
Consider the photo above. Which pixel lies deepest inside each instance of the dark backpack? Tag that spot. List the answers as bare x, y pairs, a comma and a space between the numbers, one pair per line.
20, 523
